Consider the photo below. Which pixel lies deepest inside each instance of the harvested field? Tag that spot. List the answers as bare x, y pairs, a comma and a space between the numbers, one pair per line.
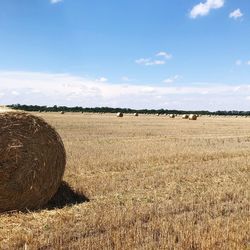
152, 182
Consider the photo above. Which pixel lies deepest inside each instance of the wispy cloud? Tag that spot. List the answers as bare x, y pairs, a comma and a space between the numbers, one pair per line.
102, 79
149, 62
238, 62
65, 89
236, 14
55, 1
164, 54
172, 79
203, 9
155, 62
126, 79
142, 61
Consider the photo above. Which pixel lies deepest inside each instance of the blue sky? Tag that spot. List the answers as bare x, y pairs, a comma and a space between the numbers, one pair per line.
184, 54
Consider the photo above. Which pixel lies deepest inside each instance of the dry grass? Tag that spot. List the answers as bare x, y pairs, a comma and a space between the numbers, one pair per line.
153, 183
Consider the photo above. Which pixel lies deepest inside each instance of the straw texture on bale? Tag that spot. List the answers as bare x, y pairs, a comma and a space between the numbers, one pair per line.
193, 117
32, 161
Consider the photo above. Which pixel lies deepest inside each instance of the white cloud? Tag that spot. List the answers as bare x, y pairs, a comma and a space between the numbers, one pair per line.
164, 54
65, 89
238, 62
169, 80
15, 93
55, 1
172, 79
236, 14
143, 60
149, 62
154, 61
102, 79
203, 9
126, 79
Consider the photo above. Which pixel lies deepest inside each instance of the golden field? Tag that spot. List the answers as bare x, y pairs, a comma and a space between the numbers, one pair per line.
153, 183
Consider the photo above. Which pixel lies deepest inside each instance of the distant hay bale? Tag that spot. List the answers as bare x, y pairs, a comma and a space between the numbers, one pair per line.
62, 112
184, 117
4, 108
192, 117
172, 116
32, 161
136, 114
119, 114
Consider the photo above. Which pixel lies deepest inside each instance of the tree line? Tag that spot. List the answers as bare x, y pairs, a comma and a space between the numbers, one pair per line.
55, 108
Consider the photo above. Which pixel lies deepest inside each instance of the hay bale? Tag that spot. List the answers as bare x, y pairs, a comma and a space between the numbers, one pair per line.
32, 161
136, 114
172, 116
119, 114
5, 109
62, 112
185, 117
192, 117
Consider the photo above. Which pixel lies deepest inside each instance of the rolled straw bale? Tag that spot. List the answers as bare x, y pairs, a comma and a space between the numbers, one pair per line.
185, 117
193, 117
3, 108
119, 114
32, 161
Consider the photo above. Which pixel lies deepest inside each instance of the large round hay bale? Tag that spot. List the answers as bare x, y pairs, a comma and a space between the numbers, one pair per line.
119, 114
172, 116
136, 114
32, 161
192, 117
184, 117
